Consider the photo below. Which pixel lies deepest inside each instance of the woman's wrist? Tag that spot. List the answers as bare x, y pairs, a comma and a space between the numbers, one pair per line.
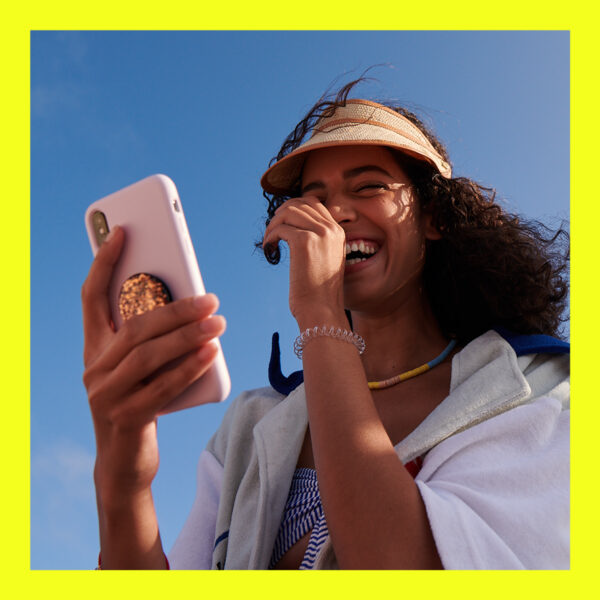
312, 333
319, 316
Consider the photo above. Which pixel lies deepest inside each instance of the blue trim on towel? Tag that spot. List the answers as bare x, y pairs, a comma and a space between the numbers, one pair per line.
534, 344
279, 382
521, 344
222, 537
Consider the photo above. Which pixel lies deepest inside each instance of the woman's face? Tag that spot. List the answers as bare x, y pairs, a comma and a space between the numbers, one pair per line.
369, 195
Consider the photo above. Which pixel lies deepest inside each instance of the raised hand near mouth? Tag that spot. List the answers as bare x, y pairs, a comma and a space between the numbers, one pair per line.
317, 254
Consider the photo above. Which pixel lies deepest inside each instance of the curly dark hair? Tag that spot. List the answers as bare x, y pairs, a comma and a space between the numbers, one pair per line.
491, 268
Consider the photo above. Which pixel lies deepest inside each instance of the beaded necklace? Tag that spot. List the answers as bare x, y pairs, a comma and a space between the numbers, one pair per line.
380, 385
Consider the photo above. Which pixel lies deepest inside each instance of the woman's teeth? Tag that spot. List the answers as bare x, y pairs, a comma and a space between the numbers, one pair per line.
359, 251
352, 261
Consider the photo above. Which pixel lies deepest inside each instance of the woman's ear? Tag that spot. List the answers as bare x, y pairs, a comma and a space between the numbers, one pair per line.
431, 232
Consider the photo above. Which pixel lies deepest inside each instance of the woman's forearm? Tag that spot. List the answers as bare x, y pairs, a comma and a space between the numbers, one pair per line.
129, 534
375, 514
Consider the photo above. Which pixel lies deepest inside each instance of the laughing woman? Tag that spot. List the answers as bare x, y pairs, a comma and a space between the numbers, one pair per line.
428, 428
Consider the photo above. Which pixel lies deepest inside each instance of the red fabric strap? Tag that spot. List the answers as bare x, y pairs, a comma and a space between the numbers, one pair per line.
414, 466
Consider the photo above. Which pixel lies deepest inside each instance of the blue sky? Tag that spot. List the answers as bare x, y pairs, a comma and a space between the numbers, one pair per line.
210, 109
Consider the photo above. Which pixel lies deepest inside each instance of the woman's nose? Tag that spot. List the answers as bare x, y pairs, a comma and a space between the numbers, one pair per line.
340, 207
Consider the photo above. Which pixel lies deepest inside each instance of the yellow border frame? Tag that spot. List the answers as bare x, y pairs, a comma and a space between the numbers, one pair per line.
14, 249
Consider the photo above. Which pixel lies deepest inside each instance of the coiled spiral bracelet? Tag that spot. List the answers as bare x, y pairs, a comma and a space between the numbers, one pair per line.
337, 333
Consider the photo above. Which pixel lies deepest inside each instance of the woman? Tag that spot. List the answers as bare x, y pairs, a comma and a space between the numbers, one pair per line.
368, 463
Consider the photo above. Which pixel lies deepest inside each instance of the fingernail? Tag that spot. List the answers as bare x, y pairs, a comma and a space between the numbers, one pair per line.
212, 325
206, 351
201, 301
111, 234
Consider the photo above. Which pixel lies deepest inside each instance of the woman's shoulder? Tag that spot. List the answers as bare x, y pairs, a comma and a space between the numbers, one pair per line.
256, 400
242, 414
542, 361
251, 406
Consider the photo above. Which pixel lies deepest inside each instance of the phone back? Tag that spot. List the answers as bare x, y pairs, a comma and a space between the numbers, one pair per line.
158, 244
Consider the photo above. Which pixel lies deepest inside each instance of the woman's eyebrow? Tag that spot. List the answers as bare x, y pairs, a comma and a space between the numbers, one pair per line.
347, 175
359, 170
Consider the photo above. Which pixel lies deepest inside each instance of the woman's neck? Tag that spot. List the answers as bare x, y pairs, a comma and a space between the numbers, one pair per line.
399, 339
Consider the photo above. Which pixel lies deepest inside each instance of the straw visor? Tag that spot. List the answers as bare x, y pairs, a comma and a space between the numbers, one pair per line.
358, 122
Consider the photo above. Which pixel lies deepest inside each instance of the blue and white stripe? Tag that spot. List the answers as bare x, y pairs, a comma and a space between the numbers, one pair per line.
317, 539
303, 512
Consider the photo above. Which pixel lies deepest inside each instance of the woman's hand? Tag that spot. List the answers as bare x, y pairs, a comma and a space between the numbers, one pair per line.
317, 255
125, 384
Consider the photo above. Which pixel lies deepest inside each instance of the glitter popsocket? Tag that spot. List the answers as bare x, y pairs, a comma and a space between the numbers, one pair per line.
141, 293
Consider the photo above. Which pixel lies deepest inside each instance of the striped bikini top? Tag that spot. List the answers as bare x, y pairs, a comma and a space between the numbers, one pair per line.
303, 512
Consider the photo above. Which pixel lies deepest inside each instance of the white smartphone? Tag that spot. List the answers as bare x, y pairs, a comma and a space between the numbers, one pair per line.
158, 265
